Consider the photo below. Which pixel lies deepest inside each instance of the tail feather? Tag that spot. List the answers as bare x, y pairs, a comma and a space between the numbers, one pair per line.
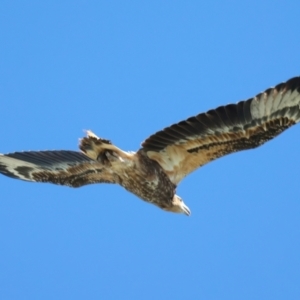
93, 146
100, 149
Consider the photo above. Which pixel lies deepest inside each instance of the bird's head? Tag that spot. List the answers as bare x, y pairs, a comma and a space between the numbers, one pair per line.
178, 206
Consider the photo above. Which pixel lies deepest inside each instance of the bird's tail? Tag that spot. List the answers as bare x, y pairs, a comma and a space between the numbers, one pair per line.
97, 148
93, 146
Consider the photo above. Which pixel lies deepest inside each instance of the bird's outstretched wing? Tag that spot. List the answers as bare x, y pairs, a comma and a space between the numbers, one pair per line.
59, 167
187, 145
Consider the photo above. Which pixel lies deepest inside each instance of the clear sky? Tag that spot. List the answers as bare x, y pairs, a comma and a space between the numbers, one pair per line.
126, 69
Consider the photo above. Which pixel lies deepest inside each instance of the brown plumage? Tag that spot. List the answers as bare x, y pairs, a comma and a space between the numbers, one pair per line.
166, 157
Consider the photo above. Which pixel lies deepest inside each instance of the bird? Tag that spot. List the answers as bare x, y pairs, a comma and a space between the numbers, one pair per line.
154, 171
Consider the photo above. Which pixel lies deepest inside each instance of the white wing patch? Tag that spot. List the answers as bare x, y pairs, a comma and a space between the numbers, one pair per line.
10, 166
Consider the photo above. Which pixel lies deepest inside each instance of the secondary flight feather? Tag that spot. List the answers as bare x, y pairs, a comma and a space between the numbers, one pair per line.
166, 157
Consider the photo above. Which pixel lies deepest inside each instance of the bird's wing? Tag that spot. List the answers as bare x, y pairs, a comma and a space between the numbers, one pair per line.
187, 145
59, 167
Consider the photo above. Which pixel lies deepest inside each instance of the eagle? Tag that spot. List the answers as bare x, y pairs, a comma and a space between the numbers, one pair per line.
153, 172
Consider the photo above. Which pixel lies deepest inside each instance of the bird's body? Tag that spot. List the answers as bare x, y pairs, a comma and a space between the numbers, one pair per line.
165, 158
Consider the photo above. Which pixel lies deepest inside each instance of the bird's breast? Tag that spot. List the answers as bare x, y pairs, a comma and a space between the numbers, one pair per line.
146, 179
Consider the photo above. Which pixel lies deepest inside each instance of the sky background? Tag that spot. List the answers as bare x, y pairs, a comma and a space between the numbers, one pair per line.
126, 69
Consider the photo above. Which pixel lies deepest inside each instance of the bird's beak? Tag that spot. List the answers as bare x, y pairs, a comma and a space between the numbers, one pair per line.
186, 210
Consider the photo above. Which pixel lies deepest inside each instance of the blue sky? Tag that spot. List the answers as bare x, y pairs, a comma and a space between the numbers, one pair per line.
126, 69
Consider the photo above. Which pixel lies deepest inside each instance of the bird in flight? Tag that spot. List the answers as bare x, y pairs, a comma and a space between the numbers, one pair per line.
166, 157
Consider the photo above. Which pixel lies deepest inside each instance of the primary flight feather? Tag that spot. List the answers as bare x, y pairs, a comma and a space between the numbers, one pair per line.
166, 157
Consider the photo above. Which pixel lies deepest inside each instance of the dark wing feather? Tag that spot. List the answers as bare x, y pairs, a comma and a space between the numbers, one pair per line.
183, 147
59, 167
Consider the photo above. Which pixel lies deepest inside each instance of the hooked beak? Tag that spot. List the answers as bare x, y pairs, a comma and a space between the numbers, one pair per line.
186, 210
